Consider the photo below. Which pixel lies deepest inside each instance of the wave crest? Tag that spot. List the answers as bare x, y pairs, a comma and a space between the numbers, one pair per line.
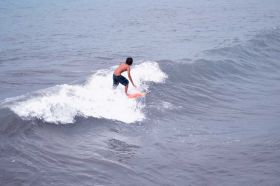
96, 98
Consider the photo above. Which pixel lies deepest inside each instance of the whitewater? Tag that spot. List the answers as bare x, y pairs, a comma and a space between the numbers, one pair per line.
95, 98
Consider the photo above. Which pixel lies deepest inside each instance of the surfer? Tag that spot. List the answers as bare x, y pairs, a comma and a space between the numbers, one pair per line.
118, 78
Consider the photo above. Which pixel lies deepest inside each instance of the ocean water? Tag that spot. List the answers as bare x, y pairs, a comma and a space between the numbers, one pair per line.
211, 71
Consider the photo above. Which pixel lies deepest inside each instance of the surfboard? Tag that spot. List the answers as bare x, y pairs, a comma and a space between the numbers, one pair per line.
136, 95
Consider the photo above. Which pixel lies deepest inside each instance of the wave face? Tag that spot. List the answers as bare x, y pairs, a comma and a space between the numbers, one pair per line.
96, 98
228, 83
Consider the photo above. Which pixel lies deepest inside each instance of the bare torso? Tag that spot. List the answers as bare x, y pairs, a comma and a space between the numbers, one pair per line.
123, 67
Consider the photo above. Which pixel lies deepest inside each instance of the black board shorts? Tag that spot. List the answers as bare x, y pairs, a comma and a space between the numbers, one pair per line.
119, 79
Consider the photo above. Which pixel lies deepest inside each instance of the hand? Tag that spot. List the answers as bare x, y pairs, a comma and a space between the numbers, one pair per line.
134, 86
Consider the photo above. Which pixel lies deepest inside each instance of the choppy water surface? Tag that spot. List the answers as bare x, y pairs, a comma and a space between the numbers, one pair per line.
211, 115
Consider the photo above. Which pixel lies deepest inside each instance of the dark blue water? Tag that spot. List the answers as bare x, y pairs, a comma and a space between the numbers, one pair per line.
211, 115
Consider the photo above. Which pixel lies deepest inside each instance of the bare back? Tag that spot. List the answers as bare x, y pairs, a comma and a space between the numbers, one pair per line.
123, 67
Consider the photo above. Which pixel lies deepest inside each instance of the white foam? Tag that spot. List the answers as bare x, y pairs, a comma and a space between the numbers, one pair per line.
96, 98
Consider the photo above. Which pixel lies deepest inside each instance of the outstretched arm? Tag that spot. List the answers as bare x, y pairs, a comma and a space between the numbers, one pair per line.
129, 76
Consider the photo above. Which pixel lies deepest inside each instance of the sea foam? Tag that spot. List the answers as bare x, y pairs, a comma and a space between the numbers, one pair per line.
95, 98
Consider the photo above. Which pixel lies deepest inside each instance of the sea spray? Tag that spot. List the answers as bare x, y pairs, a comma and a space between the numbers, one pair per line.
95, 98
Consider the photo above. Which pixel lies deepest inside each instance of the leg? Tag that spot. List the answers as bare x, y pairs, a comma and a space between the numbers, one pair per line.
126, 87
115, 85
124, 82
115, 82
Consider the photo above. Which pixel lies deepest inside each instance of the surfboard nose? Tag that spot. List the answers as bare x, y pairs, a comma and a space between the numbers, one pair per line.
136, 95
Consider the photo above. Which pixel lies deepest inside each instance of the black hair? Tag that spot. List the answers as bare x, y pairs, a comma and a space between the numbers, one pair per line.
129, 61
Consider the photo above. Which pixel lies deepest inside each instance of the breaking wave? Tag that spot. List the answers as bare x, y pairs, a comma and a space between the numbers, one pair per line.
95, 98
